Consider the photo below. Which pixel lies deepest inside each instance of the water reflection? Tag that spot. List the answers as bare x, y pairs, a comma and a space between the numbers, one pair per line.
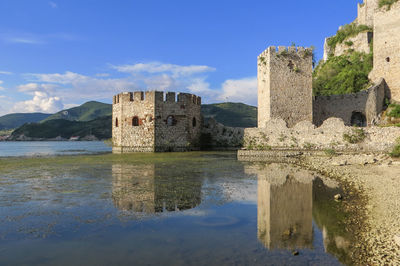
284, 213
288, 200
150, 189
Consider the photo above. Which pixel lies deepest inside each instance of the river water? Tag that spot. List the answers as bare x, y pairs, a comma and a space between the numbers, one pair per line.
167, 209
50, 148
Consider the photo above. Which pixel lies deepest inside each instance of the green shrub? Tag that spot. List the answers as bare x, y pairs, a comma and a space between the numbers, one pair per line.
330, 152
396, 150
342, 74
349, 43
345, 32
358, 135
387, 3
394, 110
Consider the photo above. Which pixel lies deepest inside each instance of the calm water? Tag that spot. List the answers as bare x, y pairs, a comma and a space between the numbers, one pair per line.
46, 148
171, 209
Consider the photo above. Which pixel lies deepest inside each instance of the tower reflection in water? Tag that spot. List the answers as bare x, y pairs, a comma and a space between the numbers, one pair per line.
150, 188
284, 206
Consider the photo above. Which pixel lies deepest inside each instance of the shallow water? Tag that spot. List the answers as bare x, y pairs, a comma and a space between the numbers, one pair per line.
50, 148
168, 209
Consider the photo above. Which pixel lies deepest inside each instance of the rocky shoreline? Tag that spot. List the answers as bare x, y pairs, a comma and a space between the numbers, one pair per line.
375, 179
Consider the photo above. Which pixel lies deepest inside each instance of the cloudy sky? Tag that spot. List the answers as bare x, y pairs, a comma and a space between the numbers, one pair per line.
62, 53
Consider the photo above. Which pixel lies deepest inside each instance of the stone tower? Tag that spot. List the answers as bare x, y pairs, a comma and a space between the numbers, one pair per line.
387, 48
285, 85
366, 12
146, 122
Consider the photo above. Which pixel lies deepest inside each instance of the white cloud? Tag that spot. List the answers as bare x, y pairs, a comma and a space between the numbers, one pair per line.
41, 102
70, 85
157, 67
1, 88
5, 73
239, 90
52, 4
2, 97
23, 40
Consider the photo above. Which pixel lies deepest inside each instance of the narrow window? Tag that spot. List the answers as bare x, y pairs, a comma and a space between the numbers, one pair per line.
388, 59
116, 122
194, 122
135, 121
171, 121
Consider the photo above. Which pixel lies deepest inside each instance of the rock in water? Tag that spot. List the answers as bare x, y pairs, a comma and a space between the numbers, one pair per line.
338, 197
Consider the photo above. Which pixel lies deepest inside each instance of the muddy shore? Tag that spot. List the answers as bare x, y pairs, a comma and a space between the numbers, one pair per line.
376, 178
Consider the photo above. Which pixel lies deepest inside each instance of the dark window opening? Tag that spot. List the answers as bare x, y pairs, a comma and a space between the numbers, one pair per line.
135, 121
171, 121
194, 122
290, 65
358, 119
116, 122
388, 59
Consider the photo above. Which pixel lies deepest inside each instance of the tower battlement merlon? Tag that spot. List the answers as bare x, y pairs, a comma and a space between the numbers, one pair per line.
189, 98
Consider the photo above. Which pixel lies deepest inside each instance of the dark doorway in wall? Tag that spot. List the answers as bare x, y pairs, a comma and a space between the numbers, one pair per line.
358, 119
135, 121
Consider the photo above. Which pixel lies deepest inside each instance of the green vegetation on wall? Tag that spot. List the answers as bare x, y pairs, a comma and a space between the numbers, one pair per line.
387, 3
394, 110
343, 74
345, 32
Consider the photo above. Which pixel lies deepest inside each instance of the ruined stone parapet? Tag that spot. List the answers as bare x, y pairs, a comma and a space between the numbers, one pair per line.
330, 135
285, 84
366, 11
153, 121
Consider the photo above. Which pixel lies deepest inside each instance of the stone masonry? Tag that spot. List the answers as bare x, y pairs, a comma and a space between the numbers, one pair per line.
146, 122
387, 48
285, 85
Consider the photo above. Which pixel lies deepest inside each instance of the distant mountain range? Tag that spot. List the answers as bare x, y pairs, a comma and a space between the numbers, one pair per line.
12, 121
85, 112
94, 118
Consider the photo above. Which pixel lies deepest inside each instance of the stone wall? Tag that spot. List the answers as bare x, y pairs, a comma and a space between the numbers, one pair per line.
330, 135
127, 137
366, 12
146, 122
369, 103
387, 48
358, 43
285, 85
217, 136
185, 113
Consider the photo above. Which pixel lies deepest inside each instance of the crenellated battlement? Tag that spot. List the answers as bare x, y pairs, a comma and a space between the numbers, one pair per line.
286, 50
157, 97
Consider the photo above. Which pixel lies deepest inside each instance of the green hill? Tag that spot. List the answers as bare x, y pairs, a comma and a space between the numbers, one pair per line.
11, 121
231, 114
85, 112
99, 127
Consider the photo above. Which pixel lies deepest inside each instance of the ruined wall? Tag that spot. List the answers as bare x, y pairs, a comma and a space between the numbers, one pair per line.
370, 103
285, 85
126, 136
358, 43
217, 136
330, 135
178, 122
366, 12
387, 48
146, 122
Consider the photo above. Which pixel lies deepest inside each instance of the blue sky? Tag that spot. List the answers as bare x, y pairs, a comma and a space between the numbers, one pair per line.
61, 53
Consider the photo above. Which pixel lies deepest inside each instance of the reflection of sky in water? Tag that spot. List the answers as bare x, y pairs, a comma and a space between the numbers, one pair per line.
210, 212
45, 148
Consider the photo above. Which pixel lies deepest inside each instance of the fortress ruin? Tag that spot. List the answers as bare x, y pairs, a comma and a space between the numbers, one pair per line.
148, 122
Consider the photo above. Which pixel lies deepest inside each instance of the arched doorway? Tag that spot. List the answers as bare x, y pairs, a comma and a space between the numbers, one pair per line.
358, 119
